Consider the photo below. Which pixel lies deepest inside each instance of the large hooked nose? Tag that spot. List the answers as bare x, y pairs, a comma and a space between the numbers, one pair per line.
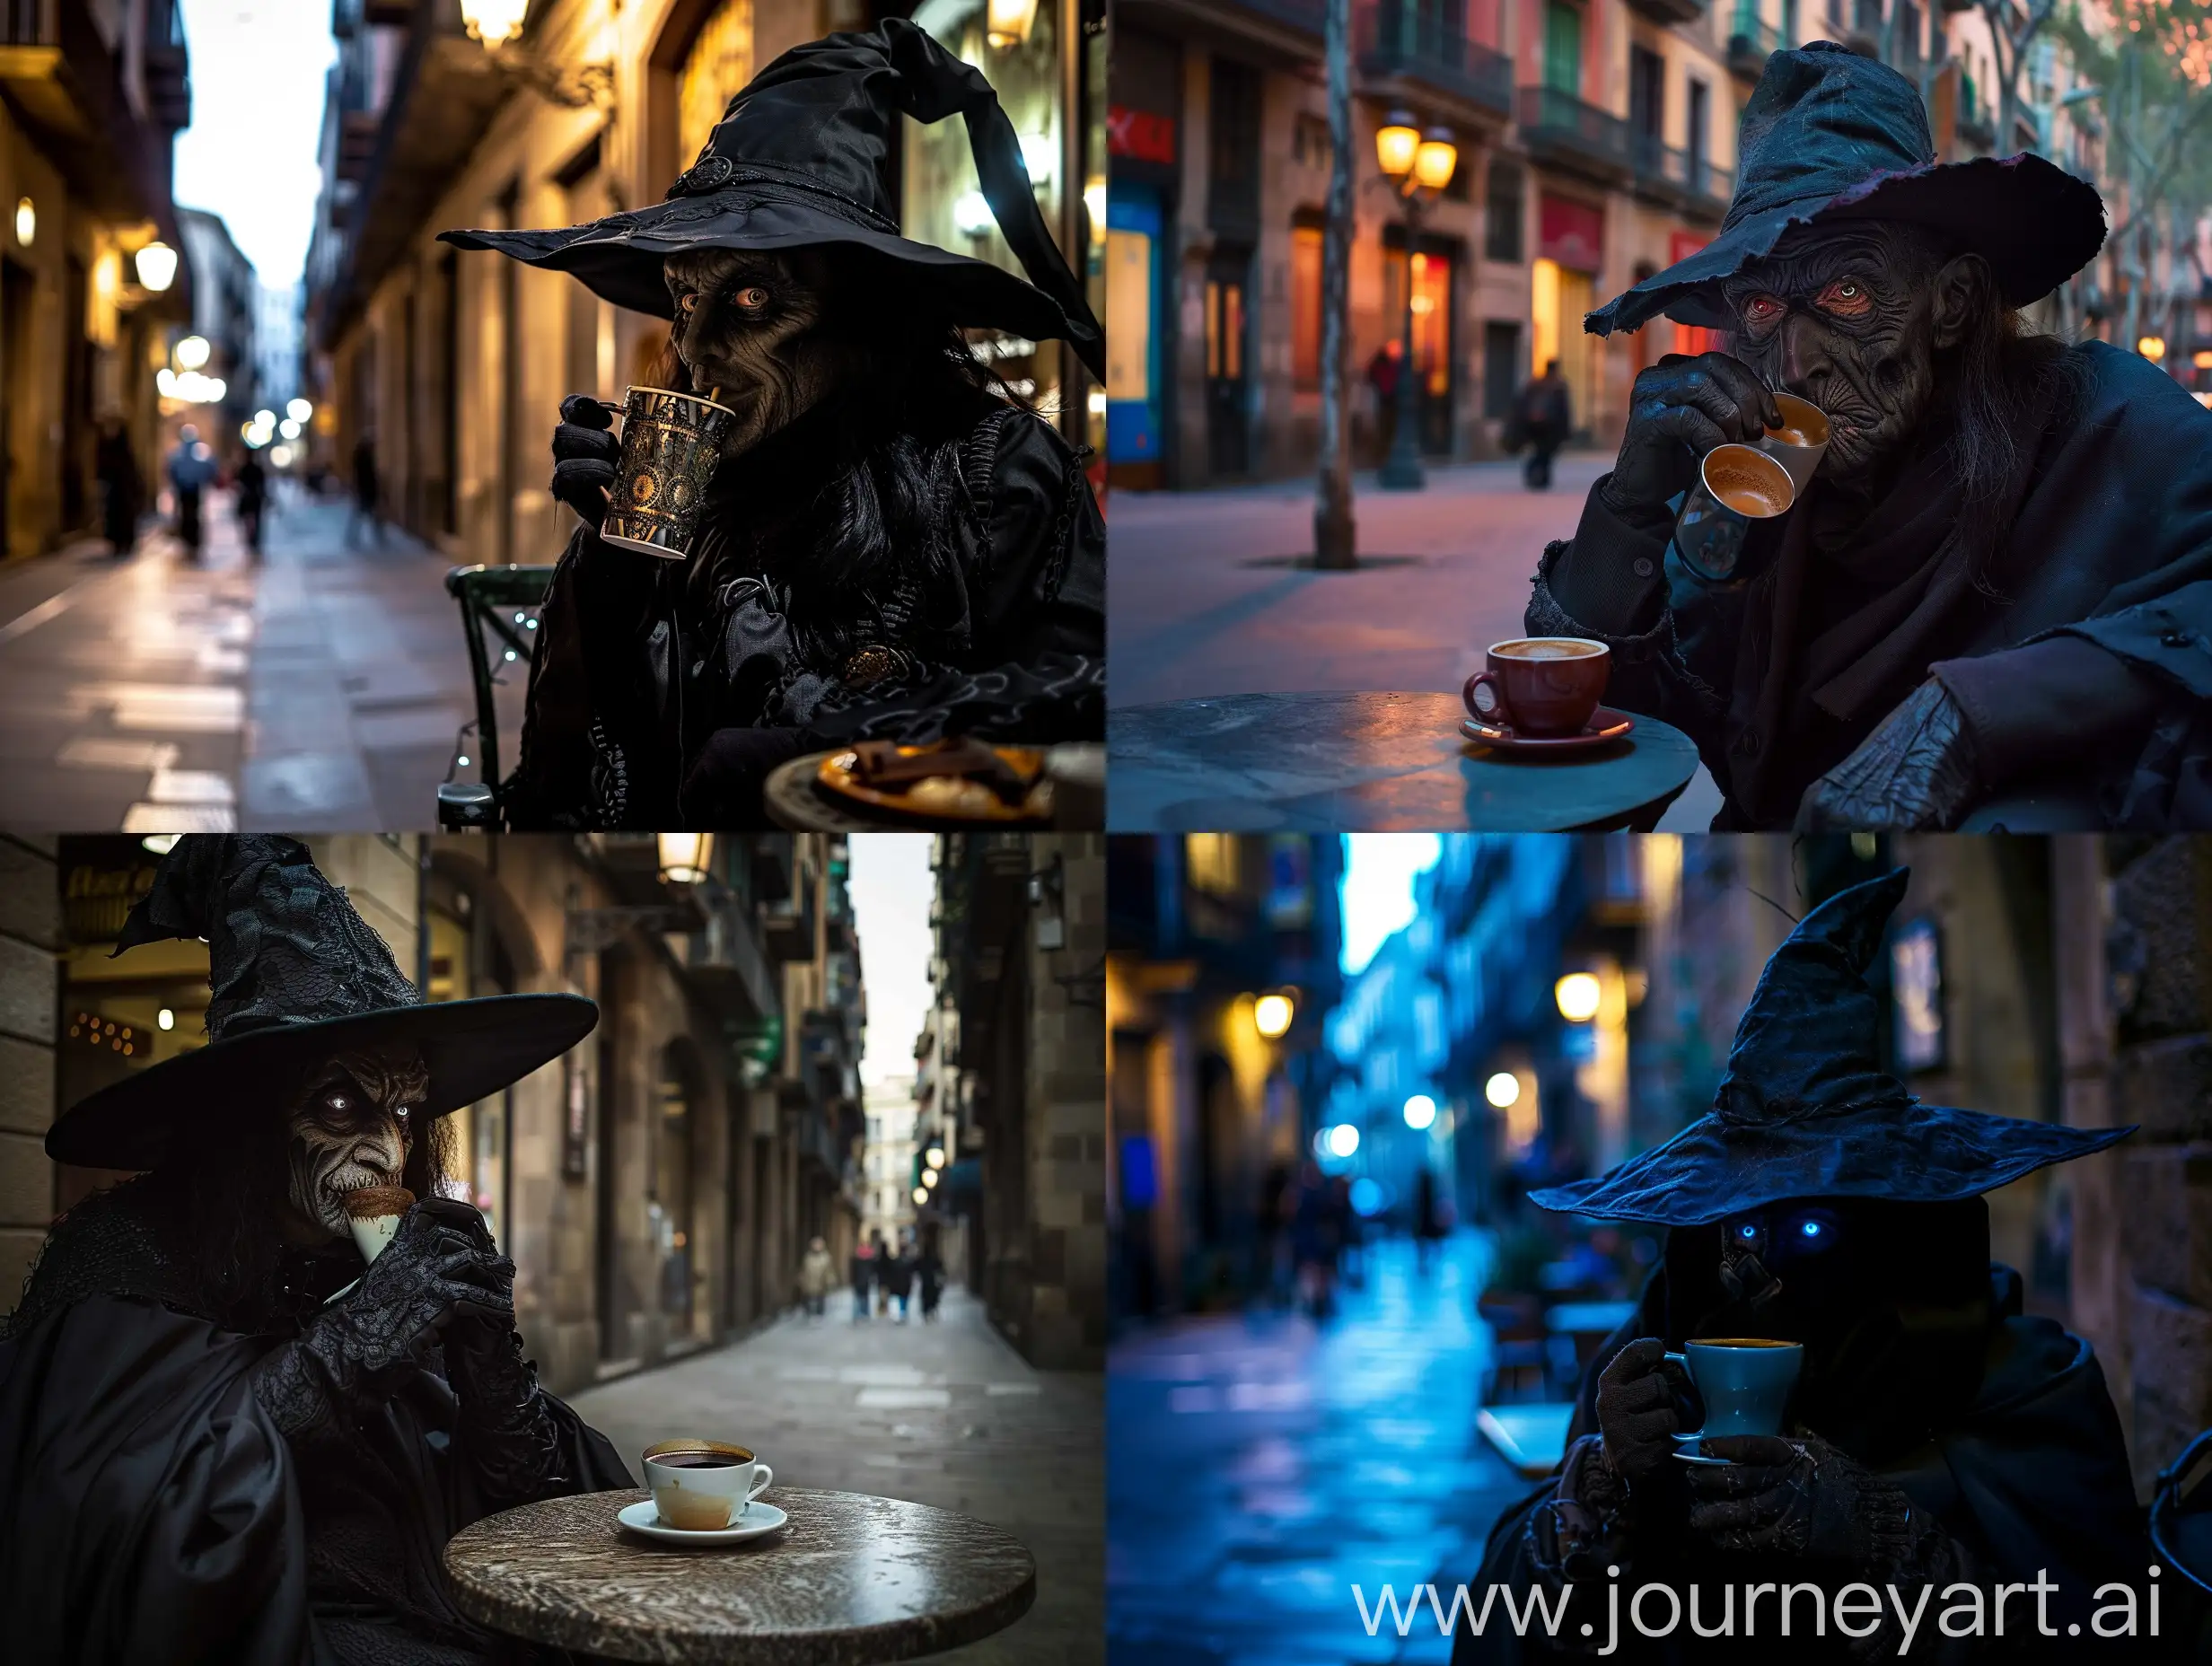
1804, 352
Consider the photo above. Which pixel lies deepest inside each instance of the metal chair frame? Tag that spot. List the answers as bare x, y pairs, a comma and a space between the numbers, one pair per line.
497, 603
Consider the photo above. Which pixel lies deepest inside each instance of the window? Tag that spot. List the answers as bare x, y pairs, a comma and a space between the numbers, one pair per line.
1501, 366
719, 63
1305, 307
1563, 48
1700, 120
1309, 140
1647, 81
1502, 224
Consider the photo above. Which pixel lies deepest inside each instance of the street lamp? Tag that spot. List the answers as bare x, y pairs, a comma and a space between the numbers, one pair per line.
157, 265
930, 1178
1007, 23
921, 1195
684, 857
1419, 165
494, 22
299, 410
935, 1156
1579, 996
1503, 1091
192, 352
2152, 347
1271, 1015
1420, 1112
26, 221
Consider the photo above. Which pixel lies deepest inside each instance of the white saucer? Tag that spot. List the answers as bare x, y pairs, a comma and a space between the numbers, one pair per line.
643, 1517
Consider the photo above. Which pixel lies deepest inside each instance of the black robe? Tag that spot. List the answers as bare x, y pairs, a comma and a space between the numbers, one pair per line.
2032, 1475
2082, 656
643, 664
151, 1512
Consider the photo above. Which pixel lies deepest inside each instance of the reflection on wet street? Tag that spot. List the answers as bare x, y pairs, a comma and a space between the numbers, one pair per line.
1259, 1466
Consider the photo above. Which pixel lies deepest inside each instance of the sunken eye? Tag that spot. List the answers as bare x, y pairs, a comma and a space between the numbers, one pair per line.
1848, 296
1760, 312
752, 298
685, 305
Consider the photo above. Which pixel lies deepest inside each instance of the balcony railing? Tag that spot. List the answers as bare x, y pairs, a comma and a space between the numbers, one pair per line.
1678, 176
1423, 41
1559, 127
1671, 11
1751, 41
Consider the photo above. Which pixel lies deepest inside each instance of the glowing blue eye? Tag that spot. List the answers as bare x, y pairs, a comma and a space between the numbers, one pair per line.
1747, 1231
1811, 1229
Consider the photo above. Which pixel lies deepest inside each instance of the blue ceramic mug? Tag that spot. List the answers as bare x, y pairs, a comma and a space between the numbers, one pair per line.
1744, 1382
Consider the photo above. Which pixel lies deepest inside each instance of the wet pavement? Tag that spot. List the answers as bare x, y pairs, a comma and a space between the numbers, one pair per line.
320, 691
1262, 1466
944, 1414
1207, 599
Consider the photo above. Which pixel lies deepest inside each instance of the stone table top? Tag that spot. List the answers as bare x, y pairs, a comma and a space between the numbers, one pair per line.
1371, 762
851, 1579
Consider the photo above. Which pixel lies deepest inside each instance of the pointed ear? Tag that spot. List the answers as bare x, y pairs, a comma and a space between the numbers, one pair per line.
1961, 287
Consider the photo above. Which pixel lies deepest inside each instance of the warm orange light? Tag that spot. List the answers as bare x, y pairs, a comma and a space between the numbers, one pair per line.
2203, 359
1397, 143
1436, 160
2152, 347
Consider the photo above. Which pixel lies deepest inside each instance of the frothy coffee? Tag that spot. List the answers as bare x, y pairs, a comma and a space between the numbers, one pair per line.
1548, 648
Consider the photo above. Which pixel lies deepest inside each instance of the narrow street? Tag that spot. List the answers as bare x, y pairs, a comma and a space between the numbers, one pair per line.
321, 691
1207, 597
944, 1414
1283, 1463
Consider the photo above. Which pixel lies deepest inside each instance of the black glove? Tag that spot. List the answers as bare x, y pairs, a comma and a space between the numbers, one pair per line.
1635, 1410
723, 788
1918, 772
1680, 409
433, 1268
1799, 1497
585, 453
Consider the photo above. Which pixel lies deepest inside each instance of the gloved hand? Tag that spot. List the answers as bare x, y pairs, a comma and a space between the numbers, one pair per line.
433, 1270
1799, 1497
1635, 1410
1680, 409
723, 788
585, 453
1918, 772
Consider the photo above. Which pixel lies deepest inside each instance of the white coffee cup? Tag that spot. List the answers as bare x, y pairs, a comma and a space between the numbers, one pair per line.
702, 1487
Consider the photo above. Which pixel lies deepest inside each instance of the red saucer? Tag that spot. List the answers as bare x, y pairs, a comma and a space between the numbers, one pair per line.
1605, 725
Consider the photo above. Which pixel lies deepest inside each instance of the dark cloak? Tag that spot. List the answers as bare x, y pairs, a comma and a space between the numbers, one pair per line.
153, 1512
2027, 1471
2106, 540
642, 662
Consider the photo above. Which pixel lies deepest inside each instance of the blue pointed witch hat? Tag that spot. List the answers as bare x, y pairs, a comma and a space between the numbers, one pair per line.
1807, 1109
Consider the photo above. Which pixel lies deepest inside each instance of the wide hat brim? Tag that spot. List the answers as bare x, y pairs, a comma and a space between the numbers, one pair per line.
1903, 1152
2035, 224
471, 1050
619, 258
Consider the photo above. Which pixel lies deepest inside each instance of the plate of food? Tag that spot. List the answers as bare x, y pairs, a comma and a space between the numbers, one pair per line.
945, 781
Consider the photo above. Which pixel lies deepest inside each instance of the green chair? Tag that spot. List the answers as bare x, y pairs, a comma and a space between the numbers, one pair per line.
499, 609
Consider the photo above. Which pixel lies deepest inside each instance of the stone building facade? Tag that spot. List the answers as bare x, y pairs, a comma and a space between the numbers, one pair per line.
30, 1007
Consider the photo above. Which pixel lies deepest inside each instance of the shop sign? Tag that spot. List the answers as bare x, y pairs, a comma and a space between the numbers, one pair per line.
1572, 233
1141, 136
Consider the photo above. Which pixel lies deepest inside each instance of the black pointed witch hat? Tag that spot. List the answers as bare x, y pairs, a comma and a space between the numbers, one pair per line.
1806, 1108
294, 976
802, 157
1829, 134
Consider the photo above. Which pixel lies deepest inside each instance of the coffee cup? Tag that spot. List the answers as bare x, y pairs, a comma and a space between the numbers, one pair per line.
1744, 1381
672, 445
1800, 441
1739, 488
374, 1213
1540, 684
702, 1487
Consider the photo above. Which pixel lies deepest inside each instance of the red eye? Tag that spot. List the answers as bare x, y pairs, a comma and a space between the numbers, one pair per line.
1762, 309
752, 298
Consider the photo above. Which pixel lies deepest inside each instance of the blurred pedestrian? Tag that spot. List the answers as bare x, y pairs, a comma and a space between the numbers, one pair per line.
1545, 416
861, 1270
882, 1251
929, 1273
191, 466
122, 488
1277, 1203
252, 499
816, 1271
901, 1275
368, 493
1313, 1243
1430, 1225
1346, 1233
1383, 377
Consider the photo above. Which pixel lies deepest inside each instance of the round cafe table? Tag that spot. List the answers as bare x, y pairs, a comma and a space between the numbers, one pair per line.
851, 1579
1366, 763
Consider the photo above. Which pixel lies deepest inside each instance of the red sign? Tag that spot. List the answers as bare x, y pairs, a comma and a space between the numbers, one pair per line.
1573, 233
1141, 136
1682, 245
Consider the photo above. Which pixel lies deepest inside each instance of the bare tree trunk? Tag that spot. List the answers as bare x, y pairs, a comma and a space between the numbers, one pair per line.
1335, 534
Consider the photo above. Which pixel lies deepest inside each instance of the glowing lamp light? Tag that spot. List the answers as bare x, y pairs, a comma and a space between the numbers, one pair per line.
935, 1156
1436, 160
1006, 23
165, 382
159, 844
1503, 1091
1343, 1140
921, 1193
1094, 204
165, 1019
684, 857
1578, 995
1041, 158
930, 1178
1272, 1013
26, 221
971, 213
192, 352
157, 267
299, 410
494, 22
1420, 1112
281, 457
2202, 358
1397, 142
265, 419
288, 428
2152, 347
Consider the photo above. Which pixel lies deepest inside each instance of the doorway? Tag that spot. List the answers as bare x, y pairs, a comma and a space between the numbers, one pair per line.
1228, 439
1437, 388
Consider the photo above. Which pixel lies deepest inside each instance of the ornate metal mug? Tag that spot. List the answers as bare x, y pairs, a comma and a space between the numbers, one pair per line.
671, 442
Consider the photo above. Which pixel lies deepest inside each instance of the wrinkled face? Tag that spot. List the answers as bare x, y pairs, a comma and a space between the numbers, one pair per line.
353, 1126
762, 333
1851, 317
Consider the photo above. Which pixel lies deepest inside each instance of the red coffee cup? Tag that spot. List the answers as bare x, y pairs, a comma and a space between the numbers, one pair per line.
1540, 684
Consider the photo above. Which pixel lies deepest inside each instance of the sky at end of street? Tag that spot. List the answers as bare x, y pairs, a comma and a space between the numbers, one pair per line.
891, 888
250, 154
1379, 871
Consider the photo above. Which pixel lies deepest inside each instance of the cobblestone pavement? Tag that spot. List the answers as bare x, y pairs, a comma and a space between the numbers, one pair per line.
1205, 598
945, 1414
1263, 1466
320, 691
